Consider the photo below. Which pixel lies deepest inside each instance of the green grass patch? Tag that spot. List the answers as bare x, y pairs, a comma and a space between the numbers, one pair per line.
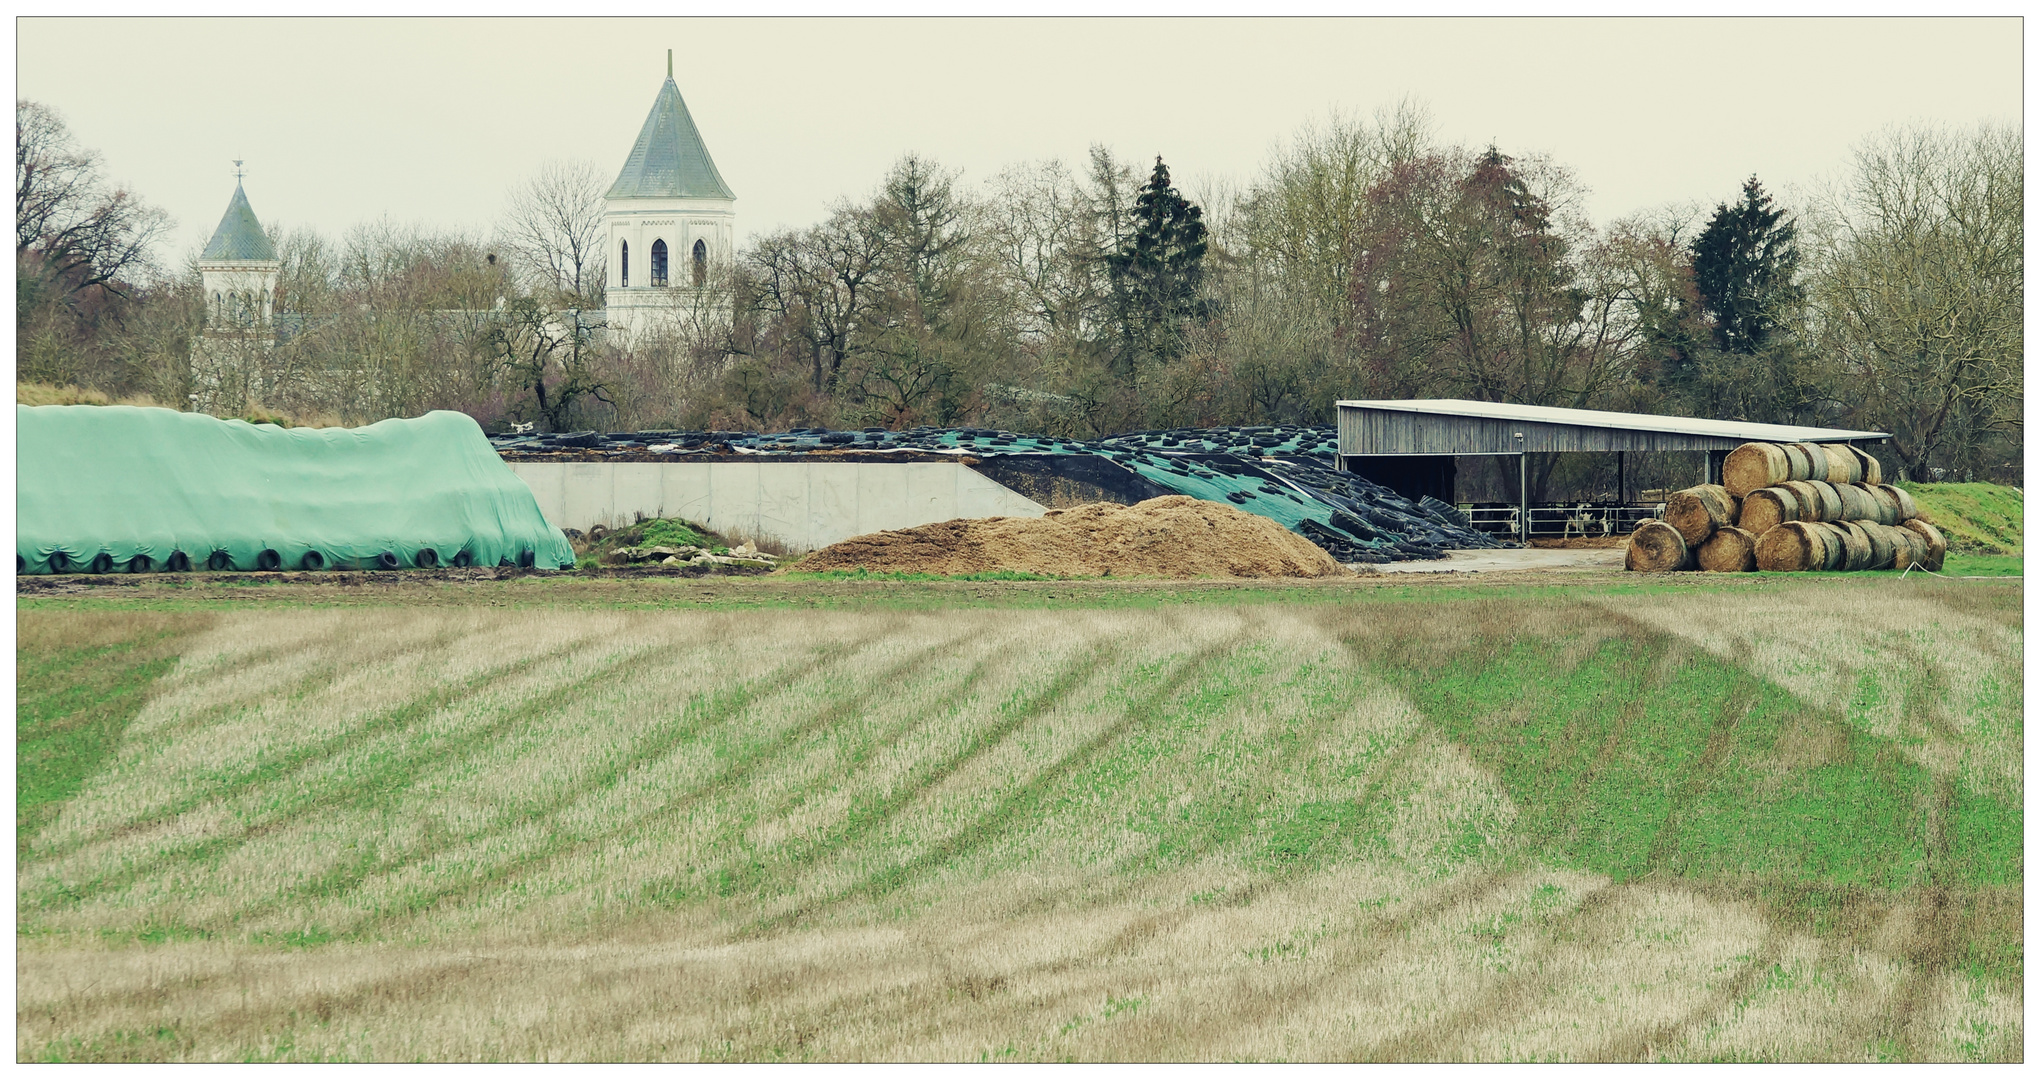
74, 701
670, 532
633, 774
1984, 565
653, 532
1977, 519
1633, 762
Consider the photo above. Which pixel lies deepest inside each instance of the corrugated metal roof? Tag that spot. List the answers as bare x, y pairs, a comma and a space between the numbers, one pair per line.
240, 237
669, 160
1683, 425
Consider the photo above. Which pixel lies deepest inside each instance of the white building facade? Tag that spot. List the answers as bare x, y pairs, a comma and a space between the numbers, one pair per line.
669, 220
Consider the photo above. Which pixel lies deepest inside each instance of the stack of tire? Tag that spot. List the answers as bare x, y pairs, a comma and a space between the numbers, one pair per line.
1791, 506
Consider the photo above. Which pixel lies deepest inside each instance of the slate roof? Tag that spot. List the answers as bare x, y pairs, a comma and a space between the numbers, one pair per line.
669, 160
240, 237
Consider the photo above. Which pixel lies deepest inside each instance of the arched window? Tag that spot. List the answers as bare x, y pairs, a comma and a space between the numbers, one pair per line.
700, 263
658, 263
625, 260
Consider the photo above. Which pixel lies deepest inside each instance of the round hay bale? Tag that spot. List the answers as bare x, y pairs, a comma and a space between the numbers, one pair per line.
1857, 504
1752, 466
1809, 500
1731, 550
1766, 508
1830, 500
1907, 508
1883, 548
1912, 549
1797, 466
1832, 553
1856, 545
1887, 504
1790, 546
1937, 544
1816, 461
1843, 468
1697, 511
1922, 556
1901, 547
1656, 547
1837, 540
1873, 470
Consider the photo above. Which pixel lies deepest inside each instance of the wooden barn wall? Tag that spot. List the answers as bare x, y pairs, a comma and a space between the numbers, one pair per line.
1385, 431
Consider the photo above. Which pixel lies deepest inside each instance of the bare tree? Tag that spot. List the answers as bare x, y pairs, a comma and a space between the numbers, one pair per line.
555, 227
817, 285
1302, 221
71, 234
549, 354
1044, 237
1043, 234
1918, 289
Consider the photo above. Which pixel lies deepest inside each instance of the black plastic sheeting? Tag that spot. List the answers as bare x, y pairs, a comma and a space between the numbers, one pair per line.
1281, 472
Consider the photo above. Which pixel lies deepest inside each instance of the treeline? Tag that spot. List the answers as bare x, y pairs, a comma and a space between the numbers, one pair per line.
1365, 260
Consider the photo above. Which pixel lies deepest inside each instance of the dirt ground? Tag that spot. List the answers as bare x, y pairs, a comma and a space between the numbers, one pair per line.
1580, 542
1523, 560
449, 585
665, 588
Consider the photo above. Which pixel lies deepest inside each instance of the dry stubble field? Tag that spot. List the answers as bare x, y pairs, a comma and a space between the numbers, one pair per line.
1777, 821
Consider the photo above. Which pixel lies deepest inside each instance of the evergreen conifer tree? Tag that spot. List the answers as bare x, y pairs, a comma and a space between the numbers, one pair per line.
1157, 271
1744, 266
1745, 271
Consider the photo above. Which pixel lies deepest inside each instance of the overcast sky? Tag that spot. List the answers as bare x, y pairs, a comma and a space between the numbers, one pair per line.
433, 121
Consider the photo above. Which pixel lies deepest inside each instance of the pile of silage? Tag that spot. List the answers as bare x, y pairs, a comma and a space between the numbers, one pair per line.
1174, 536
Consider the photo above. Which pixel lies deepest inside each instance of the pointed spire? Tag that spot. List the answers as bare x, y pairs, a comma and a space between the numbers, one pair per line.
669, 160
239, 237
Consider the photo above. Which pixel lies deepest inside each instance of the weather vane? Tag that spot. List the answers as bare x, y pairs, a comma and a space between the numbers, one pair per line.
237, 170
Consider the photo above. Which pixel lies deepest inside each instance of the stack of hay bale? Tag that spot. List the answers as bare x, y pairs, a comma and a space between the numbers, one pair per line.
1790, 506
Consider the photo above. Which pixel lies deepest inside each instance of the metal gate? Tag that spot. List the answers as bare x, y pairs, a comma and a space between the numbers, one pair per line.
1551, 520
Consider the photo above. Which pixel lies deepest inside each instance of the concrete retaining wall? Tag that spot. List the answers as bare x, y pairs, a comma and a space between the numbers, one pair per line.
802, 505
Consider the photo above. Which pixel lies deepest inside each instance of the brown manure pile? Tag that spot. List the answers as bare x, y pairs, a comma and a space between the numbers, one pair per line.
1172, 536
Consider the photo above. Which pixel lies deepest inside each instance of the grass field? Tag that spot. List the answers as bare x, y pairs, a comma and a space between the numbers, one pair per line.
1759, 818
1978, 519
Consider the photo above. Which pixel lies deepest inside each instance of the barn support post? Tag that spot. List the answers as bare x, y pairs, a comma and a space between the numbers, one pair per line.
1621, 481
1523, 495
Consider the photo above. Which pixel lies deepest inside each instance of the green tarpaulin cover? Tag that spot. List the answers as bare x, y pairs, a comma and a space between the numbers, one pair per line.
121, 482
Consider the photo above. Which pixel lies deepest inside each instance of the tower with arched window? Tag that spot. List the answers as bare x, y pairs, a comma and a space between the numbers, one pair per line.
239, 271
669, 218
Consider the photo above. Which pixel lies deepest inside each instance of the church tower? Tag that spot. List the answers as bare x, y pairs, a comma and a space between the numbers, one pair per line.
669, 218
239, 270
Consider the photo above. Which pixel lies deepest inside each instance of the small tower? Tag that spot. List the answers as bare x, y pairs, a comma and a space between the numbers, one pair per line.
669, 218
239, 268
